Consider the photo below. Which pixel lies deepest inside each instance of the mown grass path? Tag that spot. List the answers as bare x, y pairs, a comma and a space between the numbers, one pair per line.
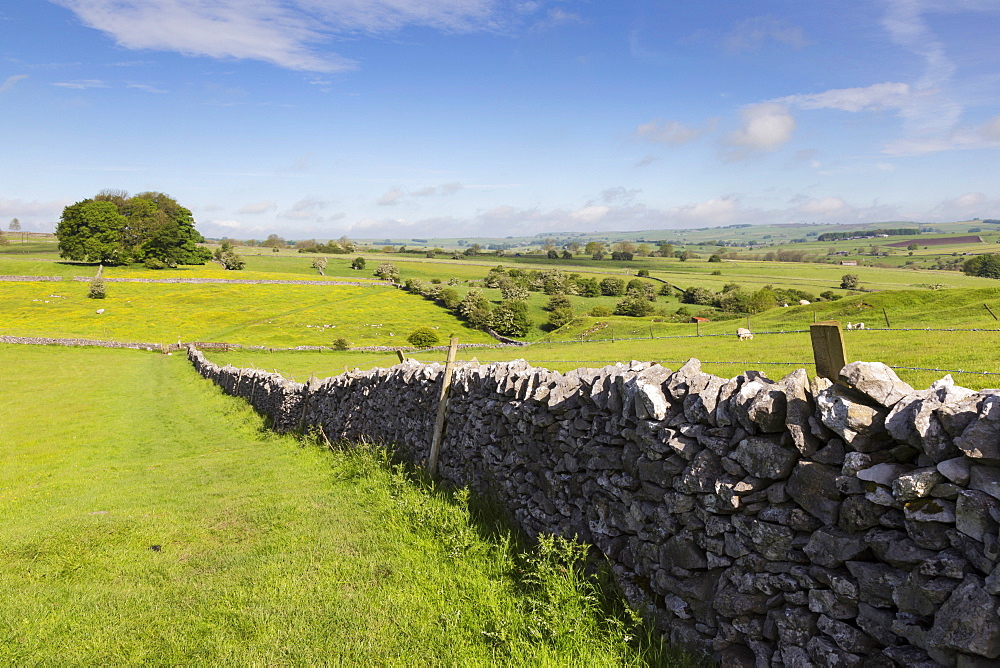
146, 517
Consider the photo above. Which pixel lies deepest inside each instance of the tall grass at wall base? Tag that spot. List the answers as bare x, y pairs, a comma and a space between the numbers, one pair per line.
145, 517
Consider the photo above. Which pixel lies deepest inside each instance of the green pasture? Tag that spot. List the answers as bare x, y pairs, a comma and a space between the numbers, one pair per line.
146, 518
773, 354
781, 343
265, 315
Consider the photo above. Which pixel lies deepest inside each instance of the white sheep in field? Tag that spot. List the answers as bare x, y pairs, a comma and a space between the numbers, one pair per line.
803, 302
856, 325
744, 334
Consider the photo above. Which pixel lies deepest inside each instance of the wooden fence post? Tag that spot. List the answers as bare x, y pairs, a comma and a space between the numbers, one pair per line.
402, 357
449, 367
828, 349
887, 325
991, 311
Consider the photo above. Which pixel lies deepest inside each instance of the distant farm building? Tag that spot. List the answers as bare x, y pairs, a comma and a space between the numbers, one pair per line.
698, 319
849, 263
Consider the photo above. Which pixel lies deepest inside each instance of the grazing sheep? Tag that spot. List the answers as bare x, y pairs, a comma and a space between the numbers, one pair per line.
856, 325
804, 302
744, 334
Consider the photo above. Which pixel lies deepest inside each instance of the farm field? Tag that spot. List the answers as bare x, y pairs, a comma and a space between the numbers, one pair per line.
781, 344
156, 520
775, 355
265, 315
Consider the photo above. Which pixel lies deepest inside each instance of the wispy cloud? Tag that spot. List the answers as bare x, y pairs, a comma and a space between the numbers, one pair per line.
869, 98
754, 33
81, 84
9, 82
146, 88
672, 133
257, 207
287, 33
394, 196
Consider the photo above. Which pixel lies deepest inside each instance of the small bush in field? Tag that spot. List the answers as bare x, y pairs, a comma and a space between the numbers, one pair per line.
341, 344
423, 337
97, 289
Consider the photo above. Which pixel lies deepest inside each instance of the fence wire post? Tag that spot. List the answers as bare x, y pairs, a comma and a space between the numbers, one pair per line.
449, 367
829, 353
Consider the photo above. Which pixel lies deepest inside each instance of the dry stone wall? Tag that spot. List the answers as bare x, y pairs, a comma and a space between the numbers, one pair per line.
771, 523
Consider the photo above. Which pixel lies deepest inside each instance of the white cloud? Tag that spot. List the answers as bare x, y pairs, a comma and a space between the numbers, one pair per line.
81, 84
672, 133
869, 98
309, 208
227, 224
753, 33
766, 127
9, 82
287, 33
590, 214
147, 88
556, 17
391, 197
257, 207
395, 195
826, 206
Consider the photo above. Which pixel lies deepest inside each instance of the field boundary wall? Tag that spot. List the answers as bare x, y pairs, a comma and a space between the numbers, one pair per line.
795, 522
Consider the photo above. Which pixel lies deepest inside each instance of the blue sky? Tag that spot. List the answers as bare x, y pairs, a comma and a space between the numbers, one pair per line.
418, 118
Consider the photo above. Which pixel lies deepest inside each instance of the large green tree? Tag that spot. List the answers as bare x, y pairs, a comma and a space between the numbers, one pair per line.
114, 228
987, 266
91, 231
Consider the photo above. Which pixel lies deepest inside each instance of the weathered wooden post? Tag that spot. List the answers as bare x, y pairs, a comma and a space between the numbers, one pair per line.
449, 367
828, 348
401, 355
886, 315
991, 311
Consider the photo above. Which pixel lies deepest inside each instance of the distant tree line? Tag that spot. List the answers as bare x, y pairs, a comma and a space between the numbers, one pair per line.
115, 228
892, 232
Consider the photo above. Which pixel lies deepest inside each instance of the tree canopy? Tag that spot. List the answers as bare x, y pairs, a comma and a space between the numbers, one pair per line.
114, 228
987, 266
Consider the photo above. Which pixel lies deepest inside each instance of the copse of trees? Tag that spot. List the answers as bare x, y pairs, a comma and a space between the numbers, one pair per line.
987, 266
114, 228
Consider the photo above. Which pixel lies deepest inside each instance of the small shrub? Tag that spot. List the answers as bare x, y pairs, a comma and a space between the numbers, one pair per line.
154, 263
358, 263
717, 272
97, 289
642, 273
423, 337
601, 312
341, 344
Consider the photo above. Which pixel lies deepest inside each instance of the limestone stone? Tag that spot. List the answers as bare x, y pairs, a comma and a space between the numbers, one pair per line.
877, 381
650, 402
799, 408
956, 470
813, 486
876, 582
976, 513
981, 439
968, 621
882, 474
985, 479
915, 484
831, 547
765, 457
930, 510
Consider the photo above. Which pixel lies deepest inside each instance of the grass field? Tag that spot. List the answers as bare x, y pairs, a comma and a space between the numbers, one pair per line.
267, 315
147, 518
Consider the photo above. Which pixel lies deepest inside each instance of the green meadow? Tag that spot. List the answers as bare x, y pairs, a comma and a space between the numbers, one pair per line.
145, 517
263, 315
